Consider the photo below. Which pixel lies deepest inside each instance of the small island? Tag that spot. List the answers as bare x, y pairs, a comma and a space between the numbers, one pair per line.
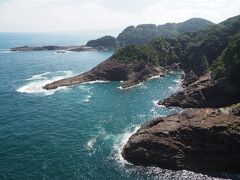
54, 48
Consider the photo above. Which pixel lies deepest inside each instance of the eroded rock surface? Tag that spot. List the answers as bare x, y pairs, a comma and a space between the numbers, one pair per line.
113, 70
205, 92
197, 139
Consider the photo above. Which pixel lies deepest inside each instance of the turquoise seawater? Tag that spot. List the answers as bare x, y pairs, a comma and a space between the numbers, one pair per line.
76, 132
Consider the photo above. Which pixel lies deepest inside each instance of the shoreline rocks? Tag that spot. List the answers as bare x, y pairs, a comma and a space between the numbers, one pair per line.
204, 92
198, 139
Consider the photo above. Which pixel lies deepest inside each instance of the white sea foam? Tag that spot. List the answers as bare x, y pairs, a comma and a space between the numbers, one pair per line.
120, 87
155, 102
61, 51
120, 142
40, 80
39, 76
91, 145
176, 87
88, 97
4, 51
95, 82
155, 77
141, 84
86, 90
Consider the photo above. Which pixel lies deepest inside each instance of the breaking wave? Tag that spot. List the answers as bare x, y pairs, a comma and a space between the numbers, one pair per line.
91, 145
177, 86
4, 51
120, 142
95, 82
141, 84
35, 86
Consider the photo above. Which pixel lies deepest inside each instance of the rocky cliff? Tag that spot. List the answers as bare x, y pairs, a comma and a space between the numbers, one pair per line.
205, 92
196, 139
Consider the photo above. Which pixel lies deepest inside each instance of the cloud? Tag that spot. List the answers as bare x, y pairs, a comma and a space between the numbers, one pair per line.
85, 15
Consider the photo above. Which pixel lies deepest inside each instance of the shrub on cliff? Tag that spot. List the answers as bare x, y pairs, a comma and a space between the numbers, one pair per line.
158, 53
109, 42
196, 51
228, 64
207, 45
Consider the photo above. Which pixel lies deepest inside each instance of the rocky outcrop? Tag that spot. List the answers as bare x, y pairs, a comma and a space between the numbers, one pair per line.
113, 70
205, 92
51, 48
189, 78
197, 139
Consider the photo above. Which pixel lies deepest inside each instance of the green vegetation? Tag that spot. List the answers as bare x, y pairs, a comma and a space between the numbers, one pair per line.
208, 45
145, 33
138, 35
157, 52
234, 128
228, 64
109, 42
216, 48
235, 106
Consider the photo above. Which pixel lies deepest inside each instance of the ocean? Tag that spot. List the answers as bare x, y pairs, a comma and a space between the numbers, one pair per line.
73, 132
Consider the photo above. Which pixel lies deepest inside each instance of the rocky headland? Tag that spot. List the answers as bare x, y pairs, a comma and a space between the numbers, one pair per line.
200, 140
113, 70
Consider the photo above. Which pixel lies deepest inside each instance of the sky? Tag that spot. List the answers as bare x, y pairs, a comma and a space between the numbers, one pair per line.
106, 15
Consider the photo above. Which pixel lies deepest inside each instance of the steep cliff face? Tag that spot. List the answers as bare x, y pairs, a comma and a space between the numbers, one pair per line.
205, 92
197, 139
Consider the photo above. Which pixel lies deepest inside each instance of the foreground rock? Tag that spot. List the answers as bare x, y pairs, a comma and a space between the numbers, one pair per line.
50, 48
113, 70
197, 139
205, 92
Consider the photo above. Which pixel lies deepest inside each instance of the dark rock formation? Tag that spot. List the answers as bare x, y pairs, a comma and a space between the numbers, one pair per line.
205, 92
189, 78
113, 70
197, 139
51, 48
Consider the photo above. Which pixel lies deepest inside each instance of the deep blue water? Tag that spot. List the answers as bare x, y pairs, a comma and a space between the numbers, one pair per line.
75, 132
